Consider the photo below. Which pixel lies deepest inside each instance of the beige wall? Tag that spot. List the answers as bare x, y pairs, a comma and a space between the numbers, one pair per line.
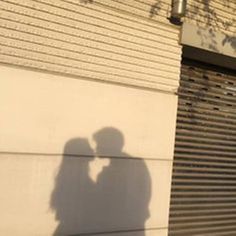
41, 114
69, 69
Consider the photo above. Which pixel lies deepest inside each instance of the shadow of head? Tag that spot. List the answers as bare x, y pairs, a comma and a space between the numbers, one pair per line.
109, 141
78, 147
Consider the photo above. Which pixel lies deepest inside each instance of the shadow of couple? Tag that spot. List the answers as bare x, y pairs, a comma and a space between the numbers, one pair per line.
113, 197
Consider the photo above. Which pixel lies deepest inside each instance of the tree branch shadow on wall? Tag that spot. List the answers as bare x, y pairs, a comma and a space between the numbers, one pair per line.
155, 9
198, 95
86, 1
208, 17
116, 200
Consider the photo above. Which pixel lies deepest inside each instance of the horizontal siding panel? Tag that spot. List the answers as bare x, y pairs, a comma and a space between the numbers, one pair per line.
70, 71
155, 2
65, 15
157, 8
84, 52
100, 43
75, 73
222, 21
118, 16
226, 6
197, 12
141, 6
139, 9
47, 38
88, 25
104, 44
85, 69
117, 67
223, 8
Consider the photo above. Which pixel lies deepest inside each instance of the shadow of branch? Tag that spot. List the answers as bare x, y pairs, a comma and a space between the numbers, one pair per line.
86, 1
155, 9
206, 15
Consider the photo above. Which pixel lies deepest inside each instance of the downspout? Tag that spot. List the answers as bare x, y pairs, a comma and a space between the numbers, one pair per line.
178, 9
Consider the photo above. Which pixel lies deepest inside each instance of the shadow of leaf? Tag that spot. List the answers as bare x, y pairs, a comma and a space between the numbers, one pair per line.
206, 15
155, 9
230, 40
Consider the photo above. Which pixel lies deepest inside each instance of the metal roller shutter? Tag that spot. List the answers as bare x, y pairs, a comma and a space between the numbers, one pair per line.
203, 197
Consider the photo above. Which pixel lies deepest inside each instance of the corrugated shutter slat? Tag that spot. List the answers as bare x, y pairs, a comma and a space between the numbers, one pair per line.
203, 198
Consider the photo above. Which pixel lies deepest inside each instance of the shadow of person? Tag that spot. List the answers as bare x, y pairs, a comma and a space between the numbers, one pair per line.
123, 187
73, 188
116, 201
